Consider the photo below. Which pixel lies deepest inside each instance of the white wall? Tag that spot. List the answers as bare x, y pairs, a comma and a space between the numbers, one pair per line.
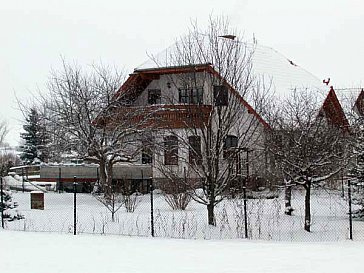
246, 123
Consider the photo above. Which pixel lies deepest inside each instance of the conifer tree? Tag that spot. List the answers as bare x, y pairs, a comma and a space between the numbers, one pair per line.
8, 207
34, 149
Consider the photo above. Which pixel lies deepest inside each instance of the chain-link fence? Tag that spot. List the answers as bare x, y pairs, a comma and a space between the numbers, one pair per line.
178, 215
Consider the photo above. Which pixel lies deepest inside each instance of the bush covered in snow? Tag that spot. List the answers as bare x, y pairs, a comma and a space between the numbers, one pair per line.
8, 207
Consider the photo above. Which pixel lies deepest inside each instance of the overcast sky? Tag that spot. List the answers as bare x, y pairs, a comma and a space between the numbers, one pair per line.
324, 37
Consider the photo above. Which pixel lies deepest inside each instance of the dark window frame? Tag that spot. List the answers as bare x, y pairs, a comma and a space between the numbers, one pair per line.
154, 96
147, 156
184, 96
170, 150
194, 151
191, 95
230, 145
221, 95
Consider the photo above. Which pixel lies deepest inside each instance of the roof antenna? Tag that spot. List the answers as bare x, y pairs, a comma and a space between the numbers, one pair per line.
291, 62
228, 36
326, 81
255, 41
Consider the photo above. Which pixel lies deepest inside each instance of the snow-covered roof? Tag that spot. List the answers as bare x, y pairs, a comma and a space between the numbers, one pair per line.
266, 61
282, 74
285, 74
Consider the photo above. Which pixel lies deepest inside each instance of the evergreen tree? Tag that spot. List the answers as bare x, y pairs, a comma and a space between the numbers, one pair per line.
36, 139
8, 207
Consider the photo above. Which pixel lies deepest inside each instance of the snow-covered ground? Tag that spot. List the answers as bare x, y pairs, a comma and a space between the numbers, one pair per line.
50, 253
266, 218
15, 182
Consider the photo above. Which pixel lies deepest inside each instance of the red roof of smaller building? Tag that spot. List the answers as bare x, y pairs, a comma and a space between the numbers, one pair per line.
333, 110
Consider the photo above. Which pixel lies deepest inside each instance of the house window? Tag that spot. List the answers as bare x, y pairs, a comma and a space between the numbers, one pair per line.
171, 150
197, 96
220, 95
154, 96
146, 155
194, 153
231, 142
184, 96
191, 95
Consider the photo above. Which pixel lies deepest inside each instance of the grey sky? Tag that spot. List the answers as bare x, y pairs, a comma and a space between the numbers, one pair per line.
324, 37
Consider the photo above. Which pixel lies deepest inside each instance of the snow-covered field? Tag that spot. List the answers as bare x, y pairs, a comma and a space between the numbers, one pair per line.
266, 219
50, 253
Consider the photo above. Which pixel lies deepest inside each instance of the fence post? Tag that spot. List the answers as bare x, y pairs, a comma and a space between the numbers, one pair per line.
342, 184
244, 195
22, 178
2, 201
59, 179
151, 188
74, 205
350, 212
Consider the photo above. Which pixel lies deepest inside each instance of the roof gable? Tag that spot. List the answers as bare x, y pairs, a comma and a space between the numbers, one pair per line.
333, 111
141, 78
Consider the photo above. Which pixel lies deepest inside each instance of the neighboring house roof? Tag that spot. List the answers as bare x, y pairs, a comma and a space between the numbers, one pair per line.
333, 110
359, 103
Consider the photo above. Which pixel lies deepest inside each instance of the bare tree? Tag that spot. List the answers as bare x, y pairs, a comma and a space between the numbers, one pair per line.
356, 170
3, 132
130, 195
220, 129
8, 158
176, 190
309, 146
86, 117
113, 200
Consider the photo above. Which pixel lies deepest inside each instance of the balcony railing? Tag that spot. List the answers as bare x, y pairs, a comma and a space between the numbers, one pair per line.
159, 116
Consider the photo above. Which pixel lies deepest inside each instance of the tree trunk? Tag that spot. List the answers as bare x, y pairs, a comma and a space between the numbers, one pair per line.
113, 208
210, 214
108, 187
287, 199
109, 173
102, 173
308, 207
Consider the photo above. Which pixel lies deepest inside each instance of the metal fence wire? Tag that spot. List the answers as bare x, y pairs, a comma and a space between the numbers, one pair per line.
149, 211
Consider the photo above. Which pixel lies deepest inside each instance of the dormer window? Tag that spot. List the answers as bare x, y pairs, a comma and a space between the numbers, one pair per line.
191, 95
154, 96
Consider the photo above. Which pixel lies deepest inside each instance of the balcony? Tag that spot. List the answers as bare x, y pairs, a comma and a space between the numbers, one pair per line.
158, 116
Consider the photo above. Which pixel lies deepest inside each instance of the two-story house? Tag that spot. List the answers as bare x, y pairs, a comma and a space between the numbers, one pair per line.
197, 119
